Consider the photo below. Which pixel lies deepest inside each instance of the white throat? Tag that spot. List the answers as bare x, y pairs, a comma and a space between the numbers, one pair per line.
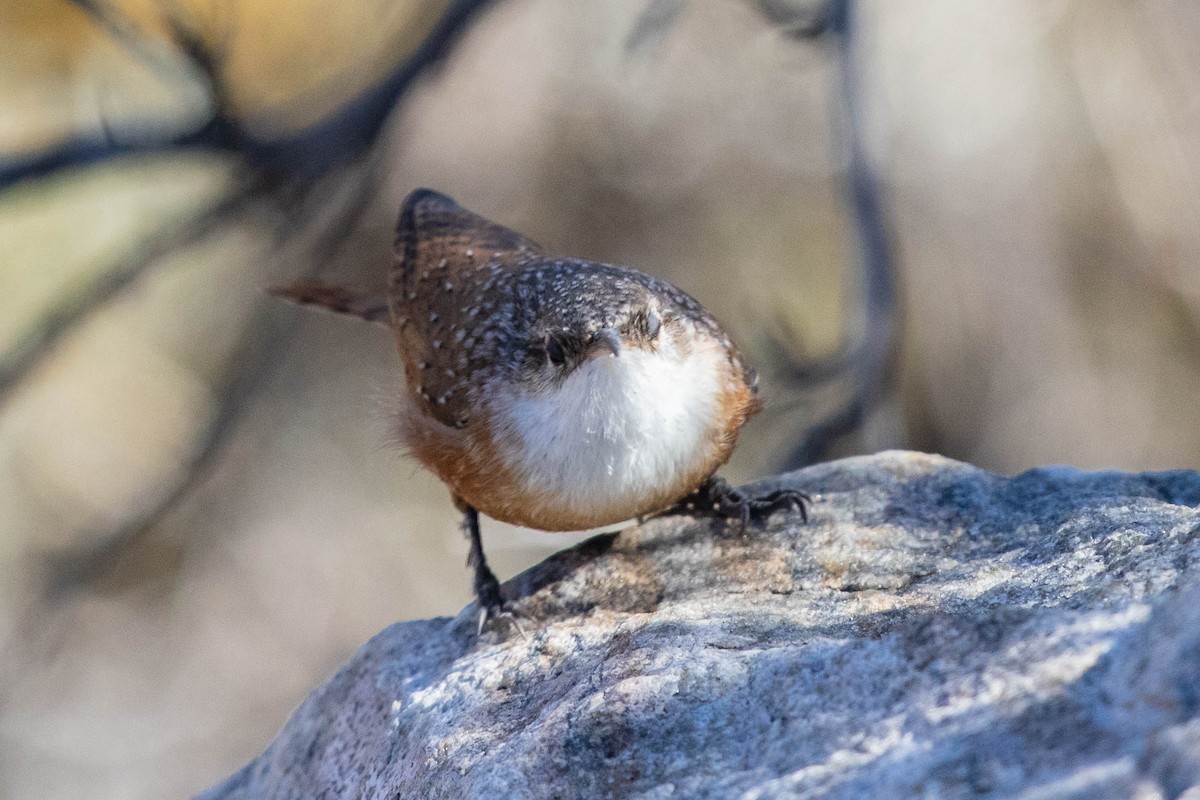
618, 430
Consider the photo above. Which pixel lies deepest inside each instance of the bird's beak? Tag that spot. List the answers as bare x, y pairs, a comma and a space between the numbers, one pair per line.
608, 337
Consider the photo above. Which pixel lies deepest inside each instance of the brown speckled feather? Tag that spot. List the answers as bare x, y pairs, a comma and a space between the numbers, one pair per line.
446, 262
465, 293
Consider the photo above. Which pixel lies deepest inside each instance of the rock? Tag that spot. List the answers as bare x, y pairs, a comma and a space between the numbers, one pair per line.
934, 631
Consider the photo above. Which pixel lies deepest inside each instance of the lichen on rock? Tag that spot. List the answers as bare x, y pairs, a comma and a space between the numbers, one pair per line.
933, 631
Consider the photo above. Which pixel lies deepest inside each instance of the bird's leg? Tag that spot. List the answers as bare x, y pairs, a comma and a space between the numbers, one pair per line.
487, 588
717, 497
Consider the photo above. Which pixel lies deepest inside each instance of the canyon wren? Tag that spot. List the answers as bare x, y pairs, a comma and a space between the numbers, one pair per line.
555, 393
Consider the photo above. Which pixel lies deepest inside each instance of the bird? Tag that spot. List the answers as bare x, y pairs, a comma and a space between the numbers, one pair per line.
555, 393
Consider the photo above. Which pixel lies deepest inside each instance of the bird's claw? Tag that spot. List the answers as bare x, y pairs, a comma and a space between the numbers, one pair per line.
492, 606
780, 499
495, 613
719, 498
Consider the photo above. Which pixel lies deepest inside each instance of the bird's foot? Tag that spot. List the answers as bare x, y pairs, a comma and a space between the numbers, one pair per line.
718, 498
487, 588
491, 617
492, 606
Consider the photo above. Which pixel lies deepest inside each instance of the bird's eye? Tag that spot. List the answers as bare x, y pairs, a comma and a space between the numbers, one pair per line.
554, 351
653, 323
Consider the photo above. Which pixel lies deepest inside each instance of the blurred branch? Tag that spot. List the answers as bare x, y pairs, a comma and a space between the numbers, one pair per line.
304, 155
652, 24
285, 167
866, 366
354, 127
74, 307
800, 19
125, 31
88, 150
248, 368
810, 374
220, 131
863, 363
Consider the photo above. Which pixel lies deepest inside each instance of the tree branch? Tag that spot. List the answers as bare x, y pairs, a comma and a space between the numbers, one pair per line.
73, 308
304, 155
867, 365
247, 370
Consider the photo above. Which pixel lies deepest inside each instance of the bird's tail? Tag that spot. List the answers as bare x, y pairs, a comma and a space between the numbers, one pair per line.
368, 304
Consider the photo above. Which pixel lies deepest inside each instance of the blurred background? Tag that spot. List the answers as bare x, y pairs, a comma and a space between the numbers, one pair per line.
200, 518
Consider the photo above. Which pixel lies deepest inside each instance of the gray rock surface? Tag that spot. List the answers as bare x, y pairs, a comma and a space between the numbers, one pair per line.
935, 631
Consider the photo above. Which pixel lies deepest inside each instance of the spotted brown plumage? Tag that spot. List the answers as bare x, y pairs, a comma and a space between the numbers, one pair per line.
557, 393
464, 292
